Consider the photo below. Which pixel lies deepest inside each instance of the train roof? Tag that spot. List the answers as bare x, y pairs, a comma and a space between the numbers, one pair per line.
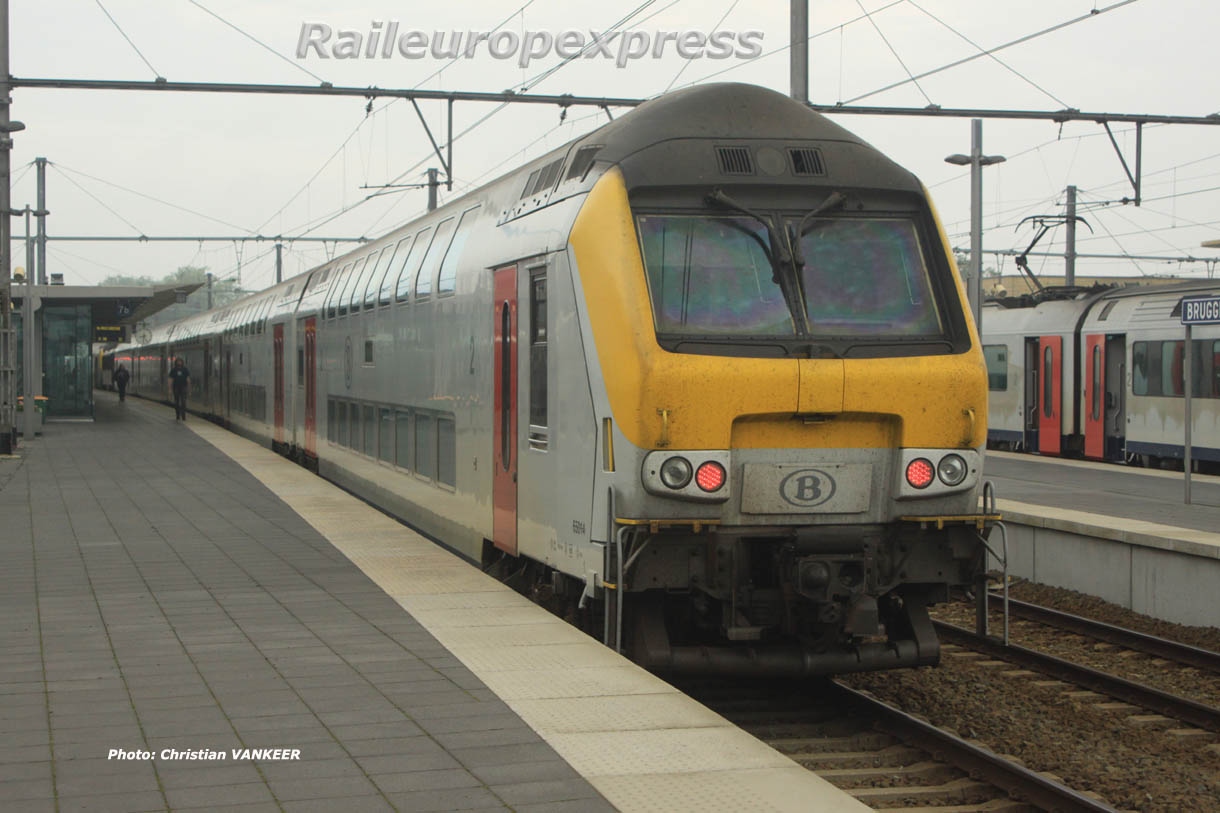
722, 134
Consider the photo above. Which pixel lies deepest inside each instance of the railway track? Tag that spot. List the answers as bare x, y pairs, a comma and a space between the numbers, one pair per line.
883, 756
1119, 636
1171, 706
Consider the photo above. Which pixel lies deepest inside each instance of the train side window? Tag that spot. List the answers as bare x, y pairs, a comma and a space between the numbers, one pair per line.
359, 280
330, 420
394, 270
1201, 373
432, 260
447, 279
1215, 374
341, 424
353, 436
1139, 368
538, 360
996, 356
1096, 382
410, 265
402, 440
370, 430
1048, 382
379, 271
336, 292
1172, 382
1154, 368
349, 283
446, 452
385, 435
425, 446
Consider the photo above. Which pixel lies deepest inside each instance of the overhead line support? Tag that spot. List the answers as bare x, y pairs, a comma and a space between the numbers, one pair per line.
568, 100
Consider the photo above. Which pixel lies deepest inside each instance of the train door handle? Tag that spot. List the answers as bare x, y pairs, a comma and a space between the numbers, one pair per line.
514, 476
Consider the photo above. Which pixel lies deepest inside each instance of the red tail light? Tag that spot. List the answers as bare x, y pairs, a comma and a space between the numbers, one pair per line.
920, 472
710, 476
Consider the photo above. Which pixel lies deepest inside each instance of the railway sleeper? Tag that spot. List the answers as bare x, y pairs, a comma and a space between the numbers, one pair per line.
965, 791
921, 774
869, 741
893, 757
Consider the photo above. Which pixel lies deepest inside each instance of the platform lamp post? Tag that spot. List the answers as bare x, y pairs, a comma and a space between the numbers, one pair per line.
976, 161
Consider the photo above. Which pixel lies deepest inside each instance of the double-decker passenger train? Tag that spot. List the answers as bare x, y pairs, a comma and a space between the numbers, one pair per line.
713, 358
1101, 373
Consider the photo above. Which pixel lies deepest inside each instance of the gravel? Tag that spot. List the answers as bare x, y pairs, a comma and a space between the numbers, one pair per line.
1132, 765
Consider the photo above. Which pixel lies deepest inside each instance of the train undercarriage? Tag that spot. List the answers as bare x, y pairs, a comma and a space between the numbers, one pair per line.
760, 601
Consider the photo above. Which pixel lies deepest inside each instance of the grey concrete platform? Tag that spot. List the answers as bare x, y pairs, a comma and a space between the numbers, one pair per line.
154, 595
1126, 492
1123, 534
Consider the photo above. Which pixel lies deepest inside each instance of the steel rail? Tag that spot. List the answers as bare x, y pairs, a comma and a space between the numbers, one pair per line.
1141, 642
1170, 705
980, 762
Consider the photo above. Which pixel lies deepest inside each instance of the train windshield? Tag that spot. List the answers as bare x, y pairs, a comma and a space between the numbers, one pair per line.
712, 276
857, 281
866, 277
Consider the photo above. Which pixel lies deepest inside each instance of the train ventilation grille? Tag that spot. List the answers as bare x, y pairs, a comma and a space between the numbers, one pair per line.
735, 160
806, 161
542, 179
582, 161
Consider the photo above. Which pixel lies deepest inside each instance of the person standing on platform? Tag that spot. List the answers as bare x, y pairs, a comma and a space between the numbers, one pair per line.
121, 377
180, 383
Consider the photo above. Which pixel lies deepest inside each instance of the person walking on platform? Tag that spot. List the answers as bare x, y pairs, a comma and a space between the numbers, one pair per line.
180, 382
121, 377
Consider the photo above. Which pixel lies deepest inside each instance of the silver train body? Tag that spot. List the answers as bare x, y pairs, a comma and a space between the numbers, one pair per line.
1101, 374
501, 375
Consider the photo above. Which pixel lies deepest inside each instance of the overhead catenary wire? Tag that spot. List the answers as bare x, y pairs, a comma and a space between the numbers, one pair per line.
782, 48
119, 28
63, 168
687, 63
894, 51
990, 51
994, 58
448, 64
256, 40
99, 201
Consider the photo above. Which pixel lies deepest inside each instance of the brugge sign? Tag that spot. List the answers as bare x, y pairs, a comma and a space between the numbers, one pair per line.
1201, 311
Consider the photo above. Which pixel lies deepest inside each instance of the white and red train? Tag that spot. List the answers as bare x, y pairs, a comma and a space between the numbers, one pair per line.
1101, 374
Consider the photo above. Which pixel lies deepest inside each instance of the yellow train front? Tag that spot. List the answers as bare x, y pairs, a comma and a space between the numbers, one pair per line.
786, 377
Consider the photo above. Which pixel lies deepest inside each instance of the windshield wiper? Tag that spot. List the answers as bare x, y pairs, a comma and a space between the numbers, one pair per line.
833, 201
780, 256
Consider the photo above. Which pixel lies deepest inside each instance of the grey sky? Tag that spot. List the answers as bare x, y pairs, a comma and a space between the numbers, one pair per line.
244, 159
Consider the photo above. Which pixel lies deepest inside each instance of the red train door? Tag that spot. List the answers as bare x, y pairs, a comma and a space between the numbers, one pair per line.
504, 483
311, 368
1095, 397
279, 383
1050, 406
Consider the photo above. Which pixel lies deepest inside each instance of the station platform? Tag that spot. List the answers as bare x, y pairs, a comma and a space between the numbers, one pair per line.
173, 594
1117, 532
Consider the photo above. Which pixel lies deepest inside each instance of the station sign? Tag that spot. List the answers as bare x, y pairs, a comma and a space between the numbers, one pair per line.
1201, 311
108, 333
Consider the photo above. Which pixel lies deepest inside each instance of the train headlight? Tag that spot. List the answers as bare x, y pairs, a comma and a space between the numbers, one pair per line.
710, 476
676, 472
920, 473
952, 469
